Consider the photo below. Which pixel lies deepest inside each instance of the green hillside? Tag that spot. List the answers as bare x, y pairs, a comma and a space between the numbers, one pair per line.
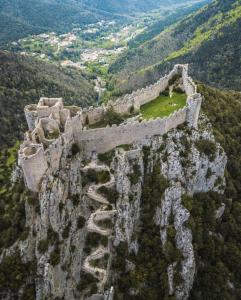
27, 17
218, 254
24, 80
210, 40
19, 18
130, 7
176, 14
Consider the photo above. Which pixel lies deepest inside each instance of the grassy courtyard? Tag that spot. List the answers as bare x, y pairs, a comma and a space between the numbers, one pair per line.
163, 106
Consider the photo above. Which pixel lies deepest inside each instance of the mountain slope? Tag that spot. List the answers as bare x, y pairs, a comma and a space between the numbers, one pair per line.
218, 254
177, 14
209, 40
24, 80
19, 18
129, 6
22, 17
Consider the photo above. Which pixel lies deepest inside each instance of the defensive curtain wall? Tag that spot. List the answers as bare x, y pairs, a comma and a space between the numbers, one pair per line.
53, 128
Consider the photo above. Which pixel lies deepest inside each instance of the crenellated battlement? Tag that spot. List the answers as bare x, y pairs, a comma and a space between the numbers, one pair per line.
53, 127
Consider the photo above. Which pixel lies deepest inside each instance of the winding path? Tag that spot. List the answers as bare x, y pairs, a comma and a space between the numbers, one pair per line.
92, 224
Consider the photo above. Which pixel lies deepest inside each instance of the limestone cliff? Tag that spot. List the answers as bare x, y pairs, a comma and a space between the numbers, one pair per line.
86, 210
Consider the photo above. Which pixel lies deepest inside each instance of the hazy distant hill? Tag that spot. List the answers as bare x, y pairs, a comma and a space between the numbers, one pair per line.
23, 80
210, 40
130, 6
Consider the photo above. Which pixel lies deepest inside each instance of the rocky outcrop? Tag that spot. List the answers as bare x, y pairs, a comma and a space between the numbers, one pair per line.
189, 171
128, 204
100, 214
69, 207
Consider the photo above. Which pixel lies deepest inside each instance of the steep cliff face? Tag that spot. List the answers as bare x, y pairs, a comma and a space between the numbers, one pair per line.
185, 162
121, 219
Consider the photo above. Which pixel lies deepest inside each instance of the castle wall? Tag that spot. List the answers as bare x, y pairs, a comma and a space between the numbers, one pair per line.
102, 140
93, 114
31, 115
152, 92
193, 108
34, 164
134, 100
175, 119
50, 106
63, 143
51, 116
141, 97
74, 124
64, 115
49, 125
125, 106
44, 126
188, 84
53, 153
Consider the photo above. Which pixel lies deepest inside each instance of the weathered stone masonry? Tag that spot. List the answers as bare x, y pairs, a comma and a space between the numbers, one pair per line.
53, 128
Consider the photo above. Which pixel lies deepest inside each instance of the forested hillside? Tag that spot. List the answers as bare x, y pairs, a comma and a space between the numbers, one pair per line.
129, 7
27, 17
24, 80
219, 254
177, 14
209, 40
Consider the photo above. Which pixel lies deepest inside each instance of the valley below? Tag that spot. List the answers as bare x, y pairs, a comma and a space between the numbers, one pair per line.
93, 48
120, 166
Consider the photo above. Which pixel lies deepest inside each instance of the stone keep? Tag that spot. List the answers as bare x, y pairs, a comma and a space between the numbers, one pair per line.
53, 127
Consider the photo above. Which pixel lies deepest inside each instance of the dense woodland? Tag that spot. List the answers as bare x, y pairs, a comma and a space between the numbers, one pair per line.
219, 255
209, 40
150, 276
161, 25
129, 7
24, 80
27, 17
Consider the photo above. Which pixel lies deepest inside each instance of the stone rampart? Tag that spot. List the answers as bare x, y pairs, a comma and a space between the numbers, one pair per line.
53, 128
102, 140
50, 106
193, 108
33, 161
133, 101
93, 115
31, 115
188, 84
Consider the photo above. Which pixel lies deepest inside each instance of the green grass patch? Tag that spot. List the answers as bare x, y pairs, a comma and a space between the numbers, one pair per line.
163, 106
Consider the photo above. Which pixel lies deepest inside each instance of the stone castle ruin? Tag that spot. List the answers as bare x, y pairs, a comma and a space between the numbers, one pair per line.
54, 128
